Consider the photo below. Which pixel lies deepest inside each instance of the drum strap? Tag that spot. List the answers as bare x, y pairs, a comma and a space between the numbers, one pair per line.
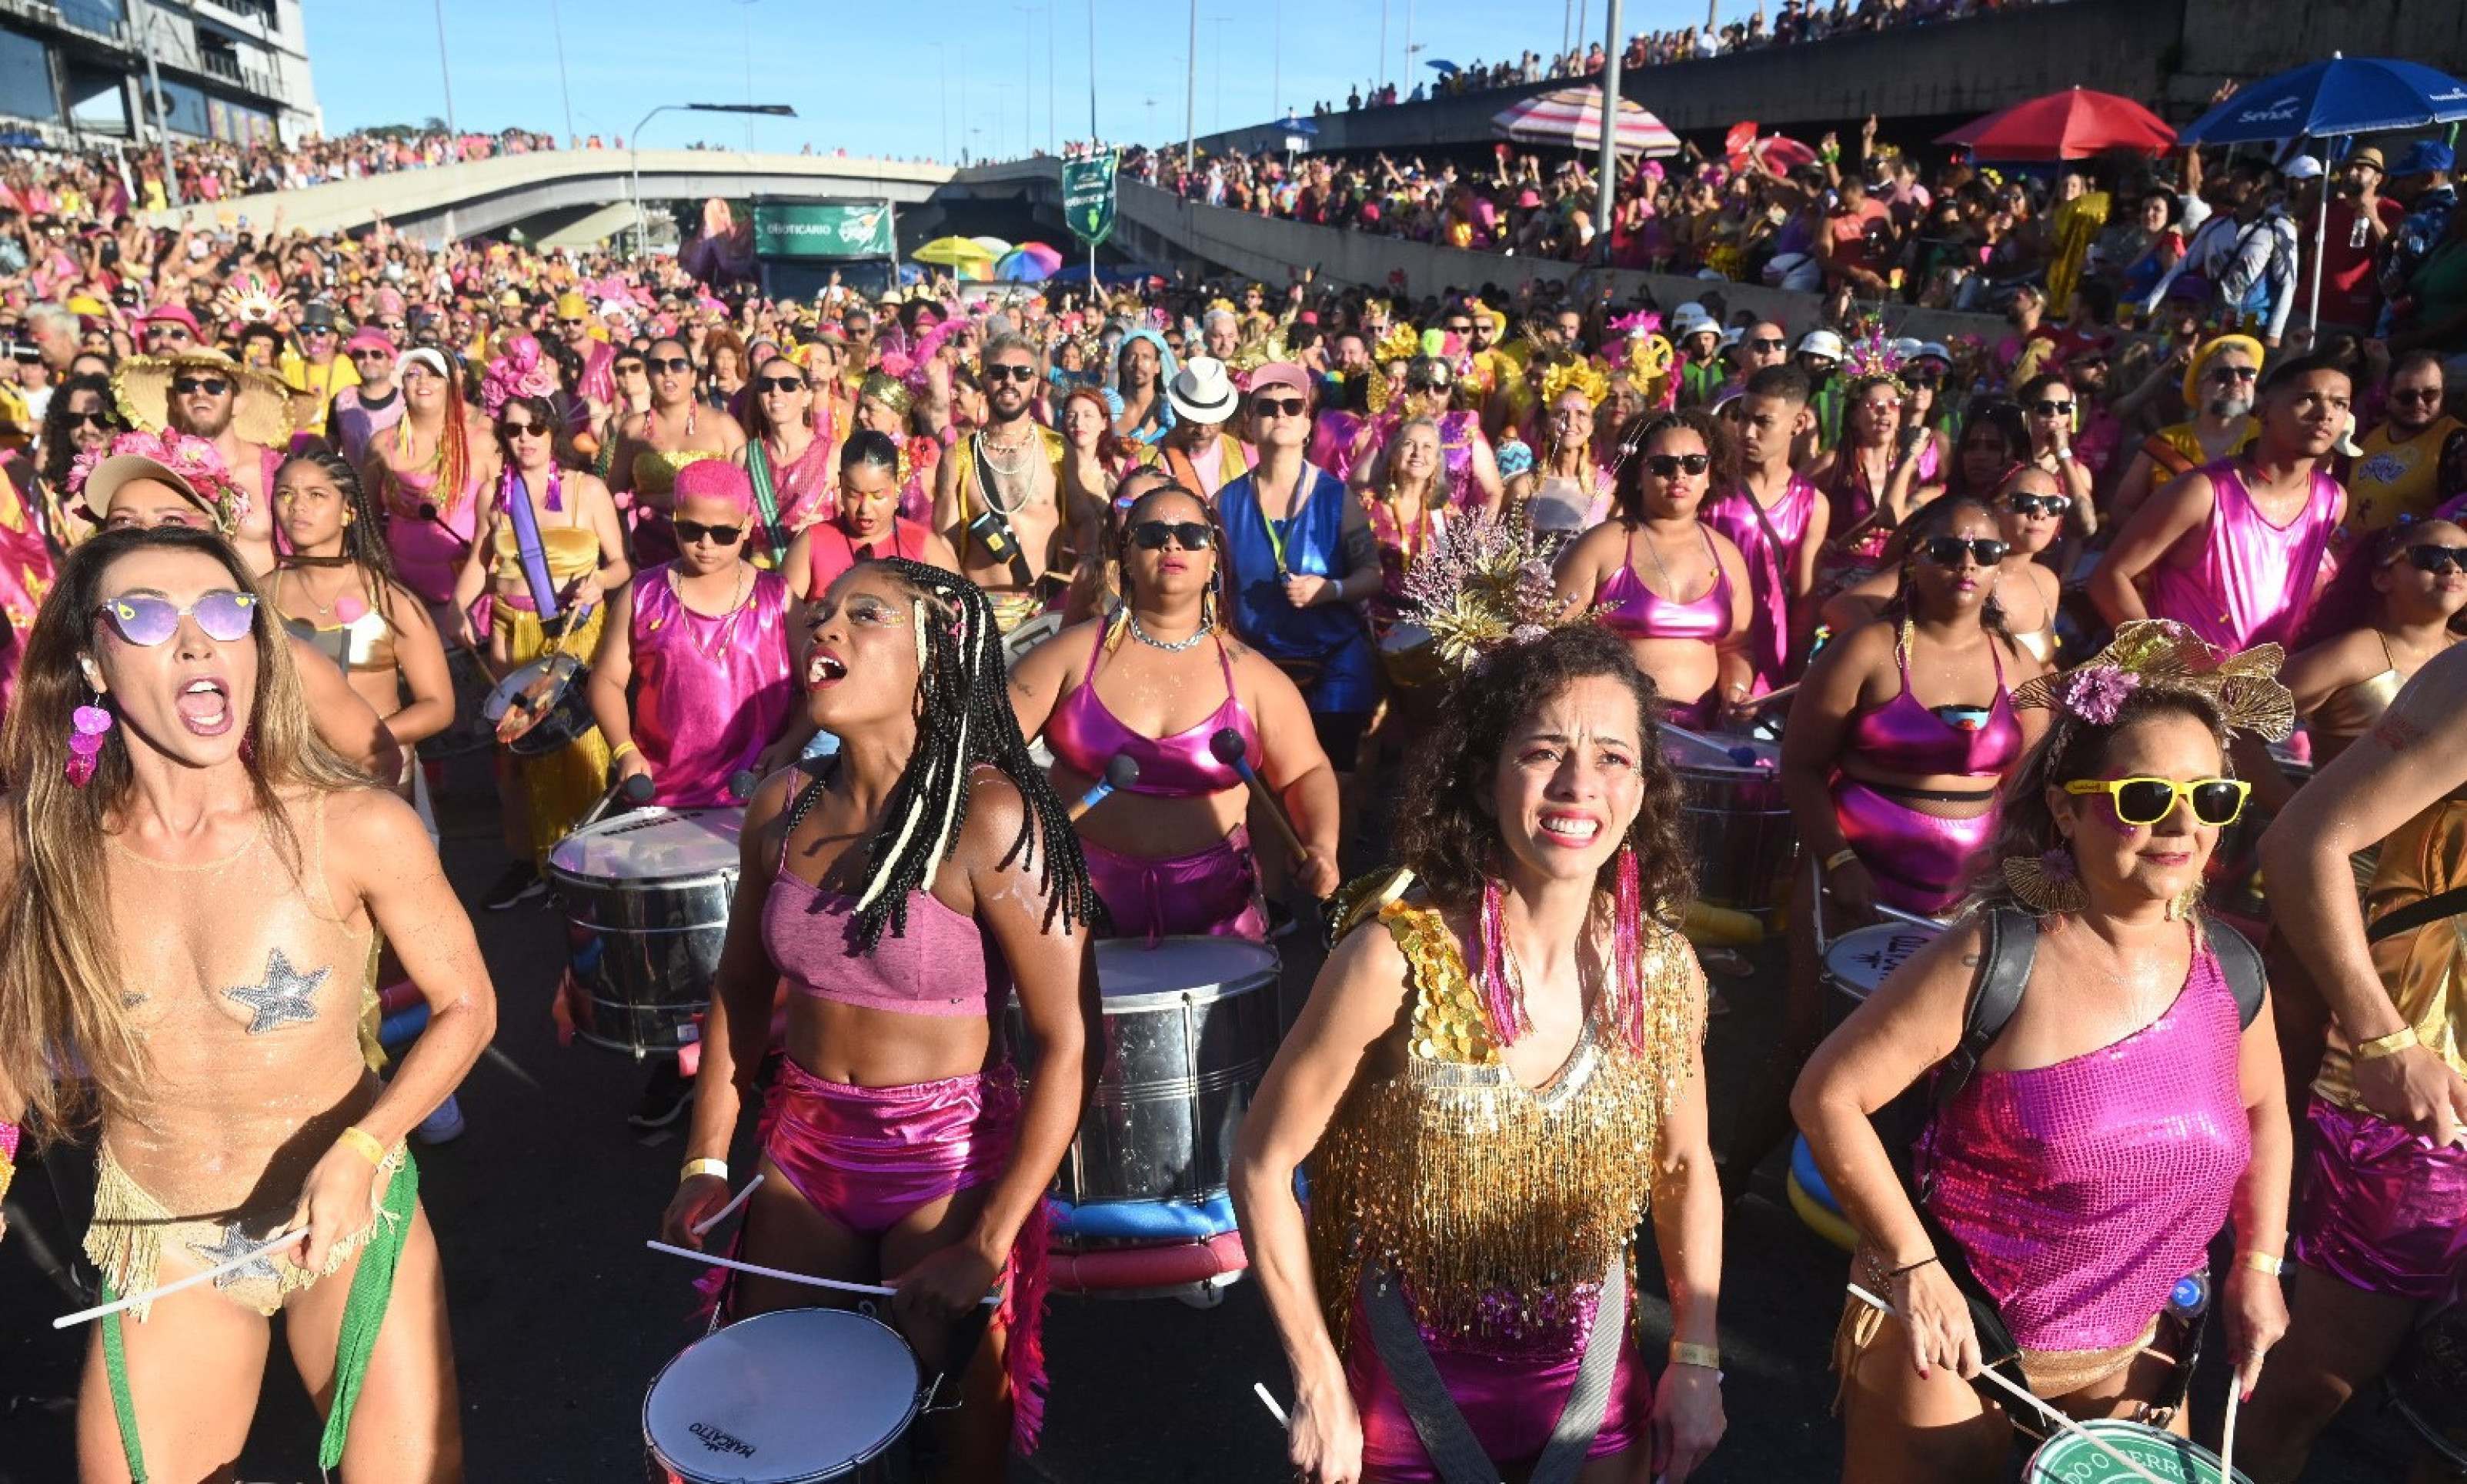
1455, 1454
530, 550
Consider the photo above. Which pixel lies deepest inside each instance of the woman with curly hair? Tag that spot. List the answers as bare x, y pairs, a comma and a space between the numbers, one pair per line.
903, 889
1694, 648
80, 419
1497, 1077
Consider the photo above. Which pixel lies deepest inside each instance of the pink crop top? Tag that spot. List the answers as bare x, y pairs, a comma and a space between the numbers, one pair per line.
1905, 737
1631, 610
1085, 735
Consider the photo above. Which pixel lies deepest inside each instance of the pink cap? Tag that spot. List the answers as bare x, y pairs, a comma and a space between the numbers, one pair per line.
714, 479
369, 338
1281, 373
173, 314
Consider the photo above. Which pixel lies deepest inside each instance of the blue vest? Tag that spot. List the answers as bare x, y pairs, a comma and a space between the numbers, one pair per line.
1324, 648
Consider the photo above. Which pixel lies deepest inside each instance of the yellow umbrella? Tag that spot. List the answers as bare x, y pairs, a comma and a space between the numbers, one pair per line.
952, 252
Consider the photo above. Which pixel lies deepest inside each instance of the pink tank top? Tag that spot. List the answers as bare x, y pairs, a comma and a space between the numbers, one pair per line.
1085, 735
1769, 540
2254, 581
2081, 1191
832, 552
710, 692
1631, 610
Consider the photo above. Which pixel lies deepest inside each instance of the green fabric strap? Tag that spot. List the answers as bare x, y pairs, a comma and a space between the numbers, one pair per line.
758, 467
115, 1372
364, 1310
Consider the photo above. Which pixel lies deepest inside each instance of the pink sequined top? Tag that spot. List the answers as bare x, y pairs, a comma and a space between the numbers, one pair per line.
710, 692
2254, 581
2081, 1191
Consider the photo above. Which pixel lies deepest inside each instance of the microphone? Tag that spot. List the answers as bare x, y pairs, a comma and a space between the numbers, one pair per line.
637, 789
1122, 771
742, 783
1231, 750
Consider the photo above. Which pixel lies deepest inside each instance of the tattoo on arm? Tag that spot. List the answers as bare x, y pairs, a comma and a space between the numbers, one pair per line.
2396, 731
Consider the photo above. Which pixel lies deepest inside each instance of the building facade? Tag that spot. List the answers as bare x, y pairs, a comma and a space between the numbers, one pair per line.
84, 70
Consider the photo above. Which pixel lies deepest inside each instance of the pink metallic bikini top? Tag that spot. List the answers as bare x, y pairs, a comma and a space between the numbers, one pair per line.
1903, 737
1631, 610
2081, 1191
1085, 735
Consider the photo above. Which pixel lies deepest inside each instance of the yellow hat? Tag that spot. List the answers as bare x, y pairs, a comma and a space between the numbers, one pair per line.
572, 306
85, 303
2209, 352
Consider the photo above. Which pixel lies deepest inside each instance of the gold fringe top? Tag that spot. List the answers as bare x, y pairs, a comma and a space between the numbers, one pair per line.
1501, 1208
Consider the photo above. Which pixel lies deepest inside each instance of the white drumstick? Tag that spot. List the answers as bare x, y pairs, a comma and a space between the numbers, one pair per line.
877, 1289
729, 1210
1914, 919
2226, 1439
253, 1254
1270, 1402
2023, 1393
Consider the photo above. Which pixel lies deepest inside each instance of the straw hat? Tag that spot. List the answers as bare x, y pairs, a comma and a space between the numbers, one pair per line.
142, 386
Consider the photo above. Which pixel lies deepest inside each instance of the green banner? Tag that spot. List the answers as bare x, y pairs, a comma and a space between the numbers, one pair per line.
822, 228
1087, 197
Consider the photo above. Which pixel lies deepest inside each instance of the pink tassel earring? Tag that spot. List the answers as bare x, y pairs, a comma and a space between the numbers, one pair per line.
1502, 999
1627, 978
88, 725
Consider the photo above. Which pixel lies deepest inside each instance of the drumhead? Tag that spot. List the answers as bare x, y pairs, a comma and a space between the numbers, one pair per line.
1689, 756
653, 845
782, 1398
1859, 961
515, 683
1133, 976
2066, 1459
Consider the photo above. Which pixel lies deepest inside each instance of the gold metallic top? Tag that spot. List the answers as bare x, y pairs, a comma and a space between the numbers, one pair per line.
1500, 1207
2421, 969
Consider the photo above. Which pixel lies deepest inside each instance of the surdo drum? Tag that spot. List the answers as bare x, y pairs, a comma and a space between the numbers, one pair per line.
2066, 1459
790, 1397
646, 897
1857, 961
1738, 826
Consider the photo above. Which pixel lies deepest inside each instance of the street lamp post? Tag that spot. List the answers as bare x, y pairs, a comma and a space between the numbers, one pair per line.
634, 150
1606, 189
1190, 97
557, 24
446, 69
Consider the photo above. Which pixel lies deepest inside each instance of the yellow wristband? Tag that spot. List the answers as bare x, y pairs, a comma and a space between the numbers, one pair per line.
1683, 1353
361, 1141
2262, 1262
2391, 1044
621, 749
695, 1167
1835, 862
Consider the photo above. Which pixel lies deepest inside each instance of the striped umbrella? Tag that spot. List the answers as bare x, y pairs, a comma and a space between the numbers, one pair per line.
1572, 118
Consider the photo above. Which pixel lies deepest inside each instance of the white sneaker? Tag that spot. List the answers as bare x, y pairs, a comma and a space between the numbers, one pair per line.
443, 1126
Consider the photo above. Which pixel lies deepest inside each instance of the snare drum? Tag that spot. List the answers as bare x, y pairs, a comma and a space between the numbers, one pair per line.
1856, 962
646, 897
1738, 826
2066, 1459
566, 716
789, 1397
1189, 1027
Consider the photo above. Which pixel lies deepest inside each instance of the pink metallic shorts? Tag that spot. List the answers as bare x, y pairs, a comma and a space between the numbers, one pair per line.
867, 1157
1918, 861
2382, 1209
1214, 893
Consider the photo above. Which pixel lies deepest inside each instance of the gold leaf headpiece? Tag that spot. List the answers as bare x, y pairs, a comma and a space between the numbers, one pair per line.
1480, 583
1402, 342
1575, 375
2162, 655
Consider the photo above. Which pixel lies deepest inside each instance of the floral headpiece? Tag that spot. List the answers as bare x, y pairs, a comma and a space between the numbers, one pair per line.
2161, 655
1575, 375
1872, 356
1641, 323
1481, 583
251, 299
196, 461
521, 371
1402, 342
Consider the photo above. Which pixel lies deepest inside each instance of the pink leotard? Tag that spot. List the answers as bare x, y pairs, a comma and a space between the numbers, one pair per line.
1903, 737
1086, 736
2255, 583
1631, 610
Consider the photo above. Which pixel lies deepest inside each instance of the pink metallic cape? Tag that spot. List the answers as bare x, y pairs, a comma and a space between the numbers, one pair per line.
711, 694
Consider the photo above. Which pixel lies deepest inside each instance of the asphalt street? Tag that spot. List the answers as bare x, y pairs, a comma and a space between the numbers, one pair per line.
561, 1317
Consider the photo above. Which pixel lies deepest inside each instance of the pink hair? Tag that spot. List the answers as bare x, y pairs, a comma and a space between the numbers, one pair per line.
715, 479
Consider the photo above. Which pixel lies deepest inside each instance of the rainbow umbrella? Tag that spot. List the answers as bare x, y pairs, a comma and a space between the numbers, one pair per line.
1029, 262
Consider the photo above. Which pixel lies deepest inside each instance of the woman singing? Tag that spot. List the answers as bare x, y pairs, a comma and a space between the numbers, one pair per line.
1171, 854
193, 884
865, 523
1694, 649
2130, 1106
1494, 1081
903, 891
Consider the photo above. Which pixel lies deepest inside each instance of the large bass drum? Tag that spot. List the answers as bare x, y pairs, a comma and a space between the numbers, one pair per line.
646, 897
1738, 826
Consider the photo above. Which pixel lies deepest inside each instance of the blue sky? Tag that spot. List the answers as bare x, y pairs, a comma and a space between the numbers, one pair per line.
869, 77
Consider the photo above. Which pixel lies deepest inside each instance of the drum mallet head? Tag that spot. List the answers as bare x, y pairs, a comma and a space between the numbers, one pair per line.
1233, 753
1123, 770
637, 789
742, 783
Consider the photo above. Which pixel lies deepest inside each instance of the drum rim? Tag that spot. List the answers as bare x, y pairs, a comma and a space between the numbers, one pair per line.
638, 819
502, 694
2033, 1473
1209, 992
839, 1471
1844, 941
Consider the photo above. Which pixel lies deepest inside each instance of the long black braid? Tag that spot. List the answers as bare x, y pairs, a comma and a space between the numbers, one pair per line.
965, 721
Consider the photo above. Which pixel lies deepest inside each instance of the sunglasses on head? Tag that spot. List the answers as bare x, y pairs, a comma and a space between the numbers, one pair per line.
1668, 466
2432, 558
691, 532
668, 363
2051, 407
191, 386
783, 384
1152, 535
1010, 371
1278, 406
2039, 504
1949, 550
2216, 802
146, 619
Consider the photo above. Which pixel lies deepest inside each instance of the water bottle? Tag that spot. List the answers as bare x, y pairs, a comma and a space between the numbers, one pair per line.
2190, 1298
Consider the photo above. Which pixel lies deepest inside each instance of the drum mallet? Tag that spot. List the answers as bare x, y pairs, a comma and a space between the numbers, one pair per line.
1914, 919
1122, 771
1745, 757
742, 783
1233, 753
635, 788
2054, 1417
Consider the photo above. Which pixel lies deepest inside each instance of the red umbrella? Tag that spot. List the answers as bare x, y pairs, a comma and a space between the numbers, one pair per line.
2073, 125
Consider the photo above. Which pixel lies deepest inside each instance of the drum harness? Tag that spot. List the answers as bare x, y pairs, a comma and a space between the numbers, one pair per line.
2008, 946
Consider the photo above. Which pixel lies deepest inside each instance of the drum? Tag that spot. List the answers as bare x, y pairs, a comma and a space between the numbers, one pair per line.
1030, 633
1856, 962
2067, 1459
1189, 1026
2428, 1384
782, 1398
568, 714
646, 897
1738, 826
1408, 658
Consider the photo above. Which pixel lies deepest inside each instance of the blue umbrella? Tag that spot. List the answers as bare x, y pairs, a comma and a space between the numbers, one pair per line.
1445, 69
2345, 95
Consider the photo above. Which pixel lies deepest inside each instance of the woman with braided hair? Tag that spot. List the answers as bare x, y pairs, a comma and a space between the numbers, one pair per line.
903, 889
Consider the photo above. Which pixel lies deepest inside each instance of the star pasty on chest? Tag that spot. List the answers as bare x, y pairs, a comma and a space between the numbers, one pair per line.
286, 996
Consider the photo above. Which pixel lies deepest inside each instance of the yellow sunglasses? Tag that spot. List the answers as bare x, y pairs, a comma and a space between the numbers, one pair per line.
2216, 802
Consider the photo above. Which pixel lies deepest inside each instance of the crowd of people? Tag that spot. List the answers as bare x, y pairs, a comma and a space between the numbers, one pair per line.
1436, 593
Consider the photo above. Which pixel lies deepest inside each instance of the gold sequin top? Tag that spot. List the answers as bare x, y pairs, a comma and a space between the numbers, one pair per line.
1500, 1207
2426, 970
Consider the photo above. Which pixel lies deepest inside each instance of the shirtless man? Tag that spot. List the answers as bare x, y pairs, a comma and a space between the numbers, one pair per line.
207, 971
994, 495
2379, 1234
205, 397
652, 445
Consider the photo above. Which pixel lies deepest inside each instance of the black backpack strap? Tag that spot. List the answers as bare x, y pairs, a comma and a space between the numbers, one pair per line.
2416, 914
2009, 944
2240, 963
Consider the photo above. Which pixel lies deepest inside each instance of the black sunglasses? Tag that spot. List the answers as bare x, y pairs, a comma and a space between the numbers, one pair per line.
1278, 406
1668, 466
1152, 535
191, 386
2039, 504
627, 369
691, 532
2432, 558
523, 429
778, 384
571, 324
98, 418
1949, 550
1925, 376
1426, 381
2428, 394
1011, 371
668, 363
1766, 344
2053, 409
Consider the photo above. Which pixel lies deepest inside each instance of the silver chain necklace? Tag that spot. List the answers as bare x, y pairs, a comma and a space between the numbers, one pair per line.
1189, 641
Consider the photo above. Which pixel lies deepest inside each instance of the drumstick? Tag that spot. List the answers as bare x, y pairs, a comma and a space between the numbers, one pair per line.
725, 1211
2226, 1439
1233, 753
877, 1289
1914, 919
2023, 1393
1745, 757
1270, 1402
1122, 771
1783, 693
253, 1254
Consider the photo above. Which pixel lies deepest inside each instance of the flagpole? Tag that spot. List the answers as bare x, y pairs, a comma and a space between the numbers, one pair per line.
1606, 189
